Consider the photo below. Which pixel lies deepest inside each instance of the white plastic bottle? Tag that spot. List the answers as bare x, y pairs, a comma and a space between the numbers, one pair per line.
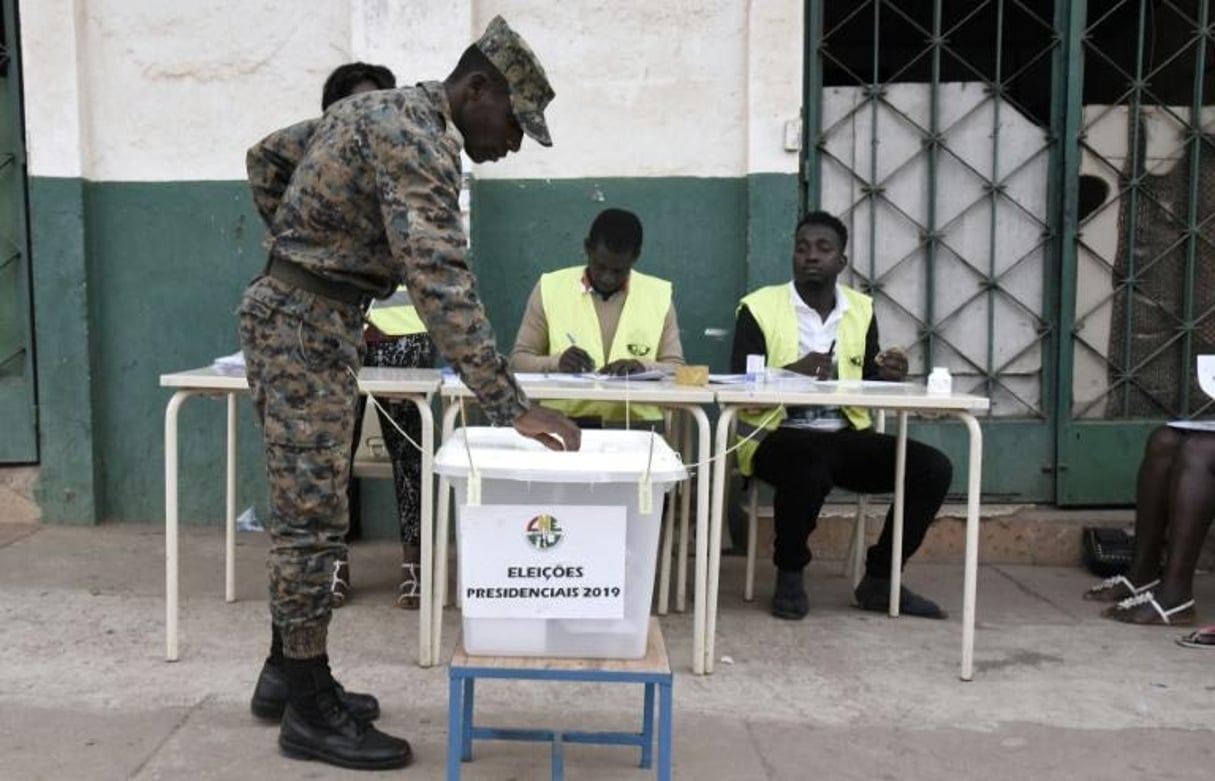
939, 381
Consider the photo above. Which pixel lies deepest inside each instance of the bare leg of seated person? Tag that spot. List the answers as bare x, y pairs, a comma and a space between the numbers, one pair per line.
1151, 517
1191, 495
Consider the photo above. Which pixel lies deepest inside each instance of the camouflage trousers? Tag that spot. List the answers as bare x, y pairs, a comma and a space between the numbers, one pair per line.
299, 352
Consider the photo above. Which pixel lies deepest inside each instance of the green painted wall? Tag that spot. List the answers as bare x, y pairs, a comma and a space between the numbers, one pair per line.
69, 490
133, 280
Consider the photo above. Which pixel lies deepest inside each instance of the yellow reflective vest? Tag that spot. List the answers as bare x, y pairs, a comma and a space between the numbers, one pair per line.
570, 311
772, 308
396, 315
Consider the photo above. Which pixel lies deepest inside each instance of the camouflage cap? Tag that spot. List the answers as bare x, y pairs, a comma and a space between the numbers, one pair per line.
529, 88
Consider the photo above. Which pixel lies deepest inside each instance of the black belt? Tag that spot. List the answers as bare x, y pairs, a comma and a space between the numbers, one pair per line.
297, 276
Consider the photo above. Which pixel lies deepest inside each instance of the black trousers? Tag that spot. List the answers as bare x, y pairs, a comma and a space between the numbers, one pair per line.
804, 465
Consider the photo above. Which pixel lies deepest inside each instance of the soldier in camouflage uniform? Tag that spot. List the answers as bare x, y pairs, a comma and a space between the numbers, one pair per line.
270, 165
372, 203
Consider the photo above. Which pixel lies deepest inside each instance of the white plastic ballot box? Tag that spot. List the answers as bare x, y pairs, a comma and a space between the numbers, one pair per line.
557, 549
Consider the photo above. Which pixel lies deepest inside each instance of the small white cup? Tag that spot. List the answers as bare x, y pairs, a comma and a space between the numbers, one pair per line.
755, 368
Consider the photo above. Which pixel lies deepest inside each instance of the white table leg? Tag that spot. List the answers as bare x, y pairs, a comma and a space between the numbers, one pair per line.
664, 554
974, 481
427, 643
681, 570
171, 520
709, 621
440, 540
230, 507
896, 545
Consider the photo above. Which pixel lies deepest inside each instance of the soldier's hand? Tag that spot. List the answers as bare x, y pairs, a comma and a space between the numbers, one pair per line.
551, 429
623, 366
575, 360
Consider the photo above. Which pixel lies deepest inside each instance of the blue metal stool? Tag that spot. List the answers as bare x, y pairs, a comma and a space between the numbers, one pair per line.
652, 670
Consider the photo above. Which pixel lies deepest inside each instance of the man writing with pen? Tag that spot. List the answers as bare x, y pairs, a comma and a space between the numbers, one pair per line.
604, 316
820, 328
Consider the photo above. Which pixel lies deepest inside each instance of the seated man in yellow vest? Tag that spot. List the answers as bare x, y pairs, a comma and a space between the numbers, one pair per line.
603, 316
818, 327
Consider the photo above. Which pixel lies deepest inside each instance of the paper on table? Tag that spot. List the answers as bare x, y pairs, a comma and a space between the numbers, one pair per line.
1193, 425
727, 379
230, 364
553, 377
650, 374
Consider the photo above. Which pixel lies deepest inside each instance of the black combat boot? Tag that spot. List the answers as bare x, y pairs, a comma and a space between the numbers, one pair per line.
274, 689
316, 725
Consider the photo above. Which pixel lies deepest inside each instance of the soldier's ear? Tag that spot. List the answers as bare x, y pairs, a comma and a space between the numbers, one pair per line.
478, 85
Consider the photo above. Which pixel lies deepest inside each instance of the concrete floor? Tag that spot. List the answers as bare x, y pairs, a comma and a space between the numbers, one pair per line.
1059, 693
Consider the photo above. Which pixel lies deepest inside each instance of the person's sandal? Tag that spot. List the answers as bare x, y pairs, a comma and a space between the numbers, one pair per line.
1199, 638
340, 584
1145, 610
1116, 589
411, 586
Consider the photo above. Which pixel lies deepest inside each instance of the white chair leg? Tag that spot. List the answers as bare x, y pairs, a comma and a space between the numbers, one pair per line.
752, 535
855, 565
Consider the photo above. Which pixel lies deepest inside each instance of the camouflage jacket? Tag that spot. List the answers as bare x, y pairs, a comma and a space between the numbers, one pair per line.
374, 200
272, 162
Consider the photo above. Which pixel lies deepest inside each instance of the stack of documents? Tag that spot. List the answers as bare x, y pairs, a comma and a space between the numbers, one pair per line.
230, 364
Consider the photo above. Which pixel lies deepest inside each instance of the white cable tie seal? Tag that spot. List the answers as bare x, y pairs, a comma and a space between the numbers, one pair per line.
645, 486
472, 496
645, 494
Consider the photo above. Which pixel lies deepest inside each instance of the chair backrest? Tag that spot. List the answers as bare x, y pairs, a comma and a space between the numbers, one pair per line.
1206, 374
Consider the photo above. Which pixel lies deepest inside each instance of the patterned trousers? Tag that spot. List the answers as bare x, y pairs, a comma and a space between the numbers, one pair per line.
412, 351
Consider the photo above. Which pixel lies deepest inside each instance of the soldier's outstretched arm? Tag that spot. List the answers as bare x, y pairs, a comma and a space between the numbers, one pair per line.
418, 180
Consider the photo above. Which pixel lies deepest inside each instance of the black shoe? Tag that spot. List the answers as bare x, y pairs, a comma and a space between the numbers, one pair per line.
319, 727
873, 594
273, 687
789, 600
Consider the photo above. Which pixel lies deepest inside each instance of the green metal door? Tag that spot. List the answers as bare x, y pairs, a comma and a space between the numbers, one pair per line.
1030, 185
933, 132
1139, 256
18, 421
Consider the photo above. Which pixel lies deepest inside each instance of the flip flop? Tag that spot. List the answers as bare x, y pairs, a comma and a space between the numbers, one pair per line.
1106, 590
1144, 609
410, 595
1200, 638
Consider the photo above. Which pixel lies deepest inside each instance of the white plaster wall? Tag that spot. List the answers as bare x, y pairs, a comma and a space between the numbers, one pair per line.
775, 52
147, 90
53, 106
643, 88
419, 41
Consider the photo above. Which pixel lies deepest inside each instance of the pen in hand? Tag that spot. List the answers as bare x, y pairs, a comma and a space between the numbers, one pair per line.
575, 360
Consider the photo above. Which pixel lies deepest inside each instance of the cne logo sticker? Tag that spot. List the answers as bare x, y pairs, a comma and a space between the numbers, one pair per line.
543, 532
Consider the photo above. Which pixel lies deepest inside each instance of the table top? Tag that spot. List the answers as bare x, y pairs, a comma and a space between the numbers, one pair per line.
581, 388
379, 380
849, 393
